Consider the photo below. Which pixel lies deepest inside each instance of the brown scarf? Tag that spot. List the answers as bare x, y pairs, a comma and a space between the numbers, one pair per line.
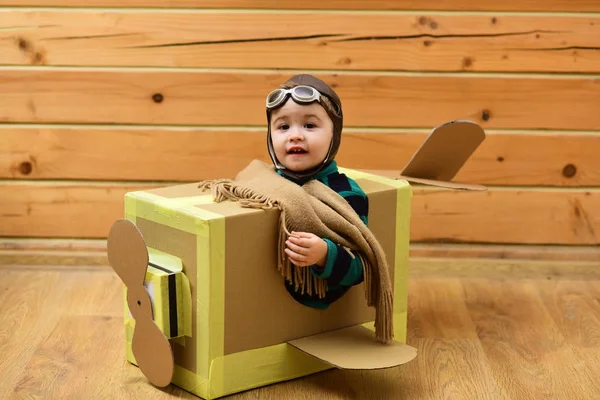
314, 208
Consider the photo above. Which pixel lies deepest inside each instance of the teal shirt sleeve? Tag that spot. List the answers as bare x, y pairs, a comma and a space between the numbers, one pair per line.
341, 268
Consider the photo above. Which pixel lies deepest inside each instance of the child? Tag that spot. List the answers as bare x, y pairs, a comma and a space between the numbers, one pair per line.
303, 138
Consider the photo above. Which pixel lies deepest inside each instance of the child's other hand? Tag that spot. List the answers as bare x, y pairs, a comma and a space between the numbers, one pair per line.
305, 249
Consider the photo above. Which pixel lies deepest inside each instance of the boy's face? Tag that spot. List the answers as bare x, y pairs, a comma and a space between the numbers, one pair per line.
301, 135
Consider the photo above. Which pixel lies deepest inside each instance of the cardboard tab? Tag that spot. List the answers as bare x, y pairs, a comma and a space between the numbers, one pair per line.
447, 185
355, 348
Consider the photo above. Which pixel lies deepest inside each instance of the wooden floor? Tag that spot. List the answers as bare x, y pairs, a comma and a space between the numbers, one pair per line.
526, 337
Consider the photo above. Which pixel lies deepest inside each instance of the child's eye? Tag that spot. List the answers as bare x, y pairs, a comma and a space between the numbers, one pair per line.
284, 127
309, 125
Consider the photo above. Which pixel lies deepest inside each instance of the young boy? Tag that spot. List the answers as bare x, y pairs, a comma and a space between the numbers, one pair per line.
303, 138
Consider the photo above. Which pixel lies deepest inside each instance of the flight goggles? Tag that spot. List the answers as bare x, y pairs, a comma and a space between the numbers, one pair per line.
301, 94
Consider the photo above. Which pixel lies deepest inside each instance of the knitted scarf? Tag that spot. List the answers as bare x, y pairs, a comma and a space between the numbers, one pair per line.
317, 209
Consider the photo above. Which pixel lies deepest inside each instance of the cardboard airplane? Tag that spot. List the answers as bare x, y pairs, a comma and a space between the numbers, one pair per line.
205, 308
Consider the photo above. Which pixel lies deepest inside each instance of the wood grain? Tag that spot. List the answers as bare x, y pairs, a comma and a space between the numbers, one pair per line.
502, 251
73, 245
188, 154
458, 369
574, 311
53, 257
503, 268
71, 342
496, 339
461, 5
449, 318
61, 209
64, 95
24, 321
548, 216
66, 363
521, 341
340, 41
128, 153
524, 216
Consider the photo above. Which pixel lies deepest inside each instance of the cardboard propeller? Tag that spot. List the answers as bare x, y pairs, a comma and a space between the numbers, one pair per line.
128, 256
442, 155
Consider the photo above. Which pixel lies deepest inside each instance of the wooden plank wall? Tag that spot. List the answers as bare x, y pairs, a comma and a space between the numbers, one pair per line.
99, 97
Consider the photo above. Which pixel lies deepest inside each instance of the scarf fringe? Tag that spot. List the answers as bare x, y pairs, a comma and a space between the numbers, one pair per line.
226, 189
300, 277
384, 329
382, 301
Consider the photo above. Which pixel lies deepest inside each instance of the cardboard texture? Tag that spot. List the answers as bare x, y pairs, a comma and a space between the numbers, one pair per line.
128, 256
442, 155
355, 348
242, 318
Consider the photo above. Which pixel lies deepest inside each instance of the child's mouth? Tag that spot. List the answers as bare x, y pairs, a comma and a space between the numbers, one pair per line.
296, 151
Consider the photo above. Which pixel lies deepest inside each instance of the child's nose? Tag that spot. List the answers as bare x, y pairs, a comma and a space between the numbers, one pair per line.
296, 133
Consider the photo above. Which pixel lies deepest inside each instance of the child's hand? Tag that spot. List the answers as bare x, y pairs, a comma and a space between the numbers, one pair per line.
305, 249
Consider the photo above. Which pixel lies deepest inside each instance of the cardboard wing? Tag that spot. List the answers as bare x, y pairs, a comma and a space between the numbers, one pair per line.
442, 155
355, 348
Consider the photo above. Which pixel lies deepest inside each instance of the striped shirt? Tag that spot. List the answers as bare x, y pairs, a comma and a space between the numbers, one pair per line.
341, 271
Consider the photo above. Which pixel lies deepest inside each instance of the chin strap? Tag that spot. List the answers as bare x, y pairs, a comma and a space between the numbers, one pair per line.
303, 175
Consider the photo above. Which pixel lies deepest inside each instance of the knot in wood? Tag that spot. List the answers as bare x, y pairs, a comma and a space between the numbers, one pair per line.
485, 115
25, 168
569, 171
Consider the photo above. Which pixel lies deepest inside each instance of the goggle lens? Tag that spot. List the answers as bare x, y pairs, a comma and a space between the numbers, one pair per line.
305, 93
275, 97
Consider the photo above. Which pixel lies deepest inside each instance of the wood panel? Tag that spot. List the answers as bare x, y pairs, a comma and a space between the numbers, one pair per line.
128, 153
548, 216
189, 154
459, 5
145, 96
48, 245
340, 41
503, 268
67, 258
495, 251
525, 216
61, 209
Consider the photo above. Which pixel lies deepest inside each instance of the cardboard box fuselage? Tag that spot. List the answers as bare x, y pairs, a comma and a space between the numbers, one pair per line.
242, 316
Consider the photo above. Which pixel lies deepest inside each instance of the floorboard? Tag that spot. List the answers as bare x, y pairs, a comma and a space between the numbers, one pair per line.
478, 337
